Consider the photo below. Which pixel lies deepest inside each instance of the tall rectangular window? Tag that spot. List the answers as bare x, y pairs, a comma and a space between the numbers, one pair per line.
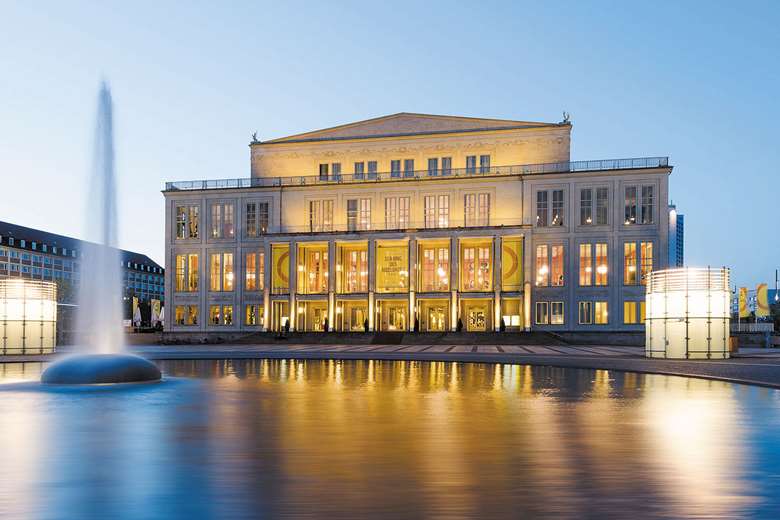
542, 313
646, 250
556, 270
476, 271
372, 169
556, 313
433, 166
227, 272
585, 313
353, 265
629, 263
397, 213
437, 211
629, 312
262, 218
321, 215
250, 271
471, 164
187, 222
221, 278
181, 267
476, 207
336, 171
446, 165
443, 208
395, 168
601, 315
434, 268
251, 219
630, 205
648, 203
484, 163
602, 206
541, 208
222, 220
408, 167
324, 172
358, 214
193, 272
181, 221
542, 266
359, 169
215, 278
557, 208
586, 264
602, 267
586, 207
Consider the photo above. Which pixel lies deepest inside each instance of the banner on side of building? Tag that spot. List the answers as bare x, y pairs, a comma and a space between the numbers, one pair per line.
744, 312
762, 300
155, 311
136, 312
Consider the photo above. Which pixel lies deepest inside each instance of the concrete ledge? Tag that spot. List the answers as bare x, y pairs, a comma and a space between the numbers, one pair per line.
363, 338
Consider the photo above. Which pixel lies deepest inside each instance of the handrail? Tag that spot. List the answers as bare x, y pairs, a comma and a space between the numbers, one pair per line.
476, 171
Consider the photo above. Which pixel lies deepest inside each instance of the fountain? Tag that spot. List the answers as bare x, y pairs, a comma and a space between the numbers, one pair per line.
102, 358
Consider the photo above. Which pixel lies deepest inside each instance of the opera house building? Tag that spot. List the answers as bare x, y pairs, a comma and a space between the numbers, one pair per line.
408, 221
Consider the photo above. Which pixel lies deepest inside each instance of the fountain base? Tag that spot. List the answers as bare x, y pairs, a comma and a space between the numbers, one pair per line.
95, 369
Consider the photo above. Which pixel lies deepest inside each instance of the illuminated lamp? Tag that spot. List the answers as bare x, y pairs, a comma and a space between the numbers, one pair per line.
28, 315
687, 313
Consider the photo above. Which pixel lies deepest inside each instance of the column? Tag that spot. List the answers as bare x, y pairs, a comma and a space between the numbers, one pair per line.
371, 284
497, 283
266, 284
331, 285
293, 285
454, 281
412, 245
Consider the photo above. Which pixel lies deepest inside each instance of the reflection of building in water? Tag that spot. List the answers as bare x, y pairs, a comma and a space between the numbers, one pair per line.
414, 218
465, 439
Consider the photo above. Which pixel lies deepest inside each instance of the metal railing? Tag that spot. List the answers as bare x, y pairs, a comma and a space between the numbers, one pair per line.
477, 171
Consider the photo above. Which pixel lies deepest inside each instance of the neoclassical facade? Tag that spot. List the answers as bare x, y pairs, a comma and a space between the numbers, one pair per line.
414, 220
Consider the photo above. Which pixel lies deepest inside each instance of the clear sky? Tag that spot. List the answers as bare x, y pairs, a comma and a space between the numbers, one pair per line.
697, 81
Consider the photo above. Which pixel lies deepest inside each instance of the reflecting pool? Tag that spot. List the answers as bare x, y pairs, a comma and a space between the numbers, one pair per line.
385, 439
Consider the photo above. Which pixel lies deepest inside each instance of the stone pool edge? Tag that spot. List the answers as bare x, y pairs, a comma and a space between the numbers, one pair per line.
755, 371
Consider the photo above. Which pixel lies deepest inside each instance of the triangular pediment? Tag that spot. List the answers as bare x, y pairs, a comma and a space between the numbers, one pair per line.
406, 123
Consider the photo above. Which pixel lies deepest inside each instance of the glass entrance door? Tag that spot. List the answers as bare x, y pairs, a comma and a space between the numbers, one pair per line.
280, 312
476, 317
437, 317
392, 315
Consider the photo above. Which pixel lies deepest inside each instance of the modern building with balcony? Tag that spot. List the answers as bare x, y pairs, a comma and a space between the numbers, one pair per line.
415, 220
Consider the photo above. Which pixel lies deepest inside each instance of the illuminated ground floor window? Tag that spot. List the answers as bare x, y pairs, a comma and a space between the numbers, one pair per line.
392, 315
434, 314
312, 316
477, 314
512, 313
254, 315
351, 315
186, 315
629, 312
221, 315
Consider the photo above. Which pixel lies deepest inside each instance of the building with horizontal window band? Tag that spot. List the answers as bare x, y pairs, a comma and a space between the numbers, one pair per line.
34, 254
418, 221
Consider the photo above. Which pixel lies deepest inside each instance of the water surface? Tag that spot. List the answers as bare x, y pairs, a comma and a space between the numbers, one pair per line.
384, 439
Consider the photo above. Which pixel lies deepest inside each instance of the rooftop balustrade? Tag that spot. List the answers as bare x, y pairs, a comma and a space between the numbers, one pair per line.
371, 177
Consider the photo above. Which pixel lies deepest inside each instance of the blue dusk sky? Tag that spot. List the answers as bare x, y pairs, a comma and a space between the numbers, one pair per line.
697, 81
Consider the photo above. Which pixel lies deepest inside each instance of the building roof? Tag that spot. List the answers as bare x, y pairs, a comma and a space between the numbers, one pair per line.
27, 234
406, 123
